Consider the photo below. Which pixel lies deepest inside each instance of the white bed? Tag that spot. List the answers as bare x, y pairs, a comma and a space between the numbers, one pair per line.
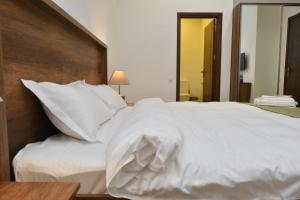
62, 158
189, 151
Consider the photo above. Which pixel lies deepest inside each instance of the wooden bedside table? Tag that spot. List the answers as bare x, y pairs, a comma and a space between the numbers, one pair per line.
130, 104
37, 191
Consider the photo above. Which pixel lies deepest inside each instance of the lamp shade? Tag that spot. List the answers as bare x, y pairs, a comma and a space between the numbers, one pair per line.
118, 77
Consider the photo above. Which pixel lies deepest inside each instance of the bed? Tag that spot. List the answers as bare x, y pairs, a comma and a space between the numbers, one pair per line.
159, 150
155, 150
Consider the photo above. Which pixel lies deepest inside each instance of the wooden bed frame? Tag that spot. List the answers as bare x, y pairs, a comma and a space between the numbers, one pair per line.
39, 41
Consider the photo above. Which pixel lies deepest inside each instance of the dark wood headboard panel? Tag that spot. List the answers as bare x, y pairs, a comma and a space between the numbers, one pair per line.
41, 44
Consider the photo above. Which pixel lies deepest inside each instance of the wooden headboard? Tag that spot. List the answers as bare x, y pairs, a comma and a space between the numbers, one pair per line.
38, 41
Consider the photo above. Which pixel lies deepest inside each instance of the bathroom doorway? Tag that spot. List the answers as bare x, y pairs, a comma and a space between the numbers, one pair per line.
199, 56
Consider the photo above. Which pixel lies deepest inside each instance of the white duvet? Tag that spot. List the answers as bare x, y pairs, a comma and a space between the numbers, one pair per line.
211, 151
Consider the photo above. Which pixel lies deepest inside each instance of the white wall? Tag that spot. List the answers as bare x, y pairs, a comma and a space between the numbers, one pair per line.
141, 37
267, 50
288, 11
145, 44
95, 15
248, 41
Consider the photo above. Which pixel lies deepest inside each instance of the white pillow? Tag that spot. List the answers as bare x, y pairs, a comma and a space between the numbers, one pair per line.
109, 96
72, 108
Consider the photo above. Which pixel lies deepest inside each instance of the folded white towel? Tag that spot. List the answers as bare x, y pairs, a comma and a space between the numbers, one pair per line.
276, 97
282, 101
277, 100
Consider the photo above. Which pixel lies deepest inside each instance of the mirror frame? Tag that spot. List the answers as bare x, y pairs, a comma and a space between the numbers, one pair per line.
235, 46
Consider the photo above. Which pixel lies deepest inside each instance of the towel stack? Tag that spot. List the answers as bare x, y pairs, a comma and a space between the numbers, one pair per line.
281, 101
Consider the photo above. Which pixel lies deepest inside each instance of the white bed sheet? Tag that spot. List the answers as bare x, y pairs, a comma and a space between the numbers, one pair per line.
230, 151
65, 159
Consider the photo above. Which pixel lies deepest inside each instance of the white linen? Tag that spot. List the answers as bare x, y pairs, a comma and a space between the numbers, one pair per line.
229, 151
281, 101
143, 147
62, 158
108, 130
72, 108
108, 95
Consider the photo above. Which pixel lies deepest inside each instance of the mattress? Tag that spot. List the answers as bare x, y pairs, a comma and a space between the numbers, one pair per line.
65, 159
62, 158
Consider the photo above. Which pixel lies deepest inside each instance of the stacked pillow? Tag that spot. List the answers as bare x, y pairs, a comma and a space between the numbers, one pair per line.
77, 109
108, 95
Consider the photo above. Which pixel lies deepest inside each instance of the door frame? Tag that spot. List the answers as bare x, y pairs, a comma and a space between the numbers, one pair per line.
217, 48
287, 51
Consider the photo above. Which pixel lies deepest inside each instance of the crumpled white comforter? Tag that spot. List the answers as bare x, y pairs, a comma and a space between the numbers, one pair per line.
211, 151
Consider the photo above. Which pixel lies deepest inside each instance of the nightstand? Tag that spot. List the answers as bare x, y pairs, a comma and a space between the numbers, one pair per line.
38, 191
130, 104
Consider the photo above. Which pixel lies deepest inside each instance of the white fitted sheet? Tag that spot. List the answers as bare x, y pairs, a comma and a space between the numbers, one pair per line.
62, 158
65, 159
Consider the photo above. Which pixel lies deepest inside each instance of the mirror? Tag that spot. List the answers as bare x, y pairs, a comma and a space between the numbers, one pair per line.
269, 54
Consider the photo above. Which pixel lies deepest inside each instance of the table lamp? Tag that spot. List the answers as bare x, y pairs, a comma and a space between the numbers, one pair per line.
119, 77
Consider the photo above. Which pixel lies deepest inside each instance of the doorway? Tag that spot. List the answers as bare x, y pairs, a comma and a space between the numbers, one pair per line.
292, 67
199, 38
